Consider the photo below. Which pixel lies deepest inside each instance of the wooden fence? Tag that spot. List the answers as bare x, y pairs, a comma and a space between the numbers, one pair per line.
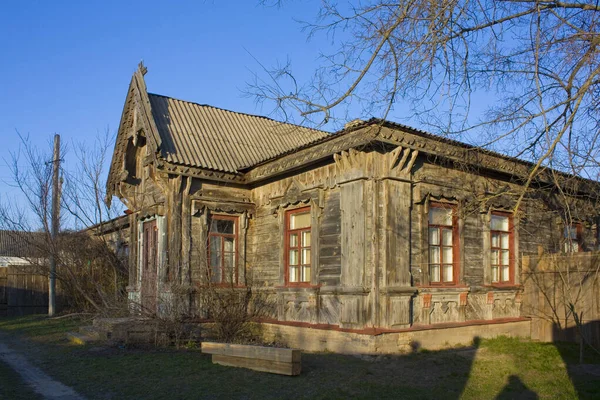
553, 281
23, 291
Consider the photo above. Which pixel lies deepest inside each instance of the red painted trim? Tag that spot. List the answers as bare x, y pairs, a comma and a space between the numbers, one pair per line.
463, 299
286, 255
427, 301
455, 246
235, 237
511, 250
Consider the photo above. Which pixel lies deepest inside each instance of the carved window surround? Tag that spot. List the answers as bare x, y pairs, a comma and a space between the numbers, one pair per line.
297, 197
458, 225
161, 251
202, 209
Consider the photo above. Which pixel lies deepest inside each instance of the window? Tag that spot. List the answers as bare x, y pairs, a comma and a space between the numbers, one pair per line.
222, 249
443, 244
501, 247
297, 237
572, 236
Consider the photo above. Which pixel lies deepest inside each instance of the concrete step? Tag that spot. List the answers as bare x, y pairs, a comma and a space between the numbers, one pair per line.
79, 338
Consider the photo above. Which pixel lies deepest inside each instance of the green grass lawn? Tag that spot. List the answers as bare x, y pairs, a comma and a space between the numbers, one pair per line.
503, 367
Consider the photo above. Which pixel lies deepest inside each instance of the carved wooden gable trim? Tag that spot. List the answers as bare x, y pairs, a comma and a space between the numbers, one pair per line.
136, 121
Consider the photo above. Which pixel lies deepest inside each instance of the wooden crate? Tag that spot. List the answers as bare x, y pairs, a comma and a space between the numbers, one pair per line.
266, 359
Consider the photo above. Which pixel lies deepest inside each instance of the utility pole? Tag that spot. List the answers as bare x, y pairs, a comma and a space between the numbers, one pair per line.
54, 225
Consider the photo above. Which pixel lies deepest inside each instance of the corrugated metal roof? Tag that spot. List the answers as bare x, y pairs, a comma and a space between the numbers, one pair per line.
209, 137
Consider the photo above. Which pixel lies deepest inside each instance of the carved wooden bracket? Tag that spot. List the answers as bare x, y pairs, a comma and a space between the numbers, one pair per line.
401, 160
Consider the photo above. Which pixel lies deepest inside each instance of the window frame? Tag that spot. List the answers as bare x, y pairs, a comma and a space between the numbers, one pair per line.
578, 239
235, 236
511, 250
455, 246
287, 233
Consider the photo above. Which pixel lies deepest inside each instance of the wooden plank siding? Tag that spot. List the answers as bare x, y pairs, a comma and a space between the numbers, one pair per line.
23, 291
3, 292
369, 191
551, 281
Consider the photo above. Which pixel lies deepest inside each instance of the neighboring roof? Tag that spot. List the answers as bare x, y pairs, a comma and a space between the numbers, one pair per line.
208, 137
19, 243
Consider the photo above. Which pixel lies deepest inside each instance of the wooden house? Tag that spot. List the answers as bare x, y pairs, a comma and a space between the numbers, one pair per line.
379, 225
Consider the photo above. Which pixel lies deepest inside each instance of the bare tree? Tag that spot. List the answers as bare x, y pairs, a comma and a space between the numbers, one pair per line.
90, 271
517, 76
535, 64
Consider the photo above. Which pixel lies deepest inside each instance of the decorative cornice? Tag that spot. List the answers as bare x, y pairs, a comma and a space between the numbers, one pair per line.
200, 206
199, 173
309, 155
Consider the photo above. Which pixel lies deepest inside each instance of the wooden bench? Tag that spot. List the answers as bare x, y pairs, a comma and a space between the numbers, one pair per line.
266, 359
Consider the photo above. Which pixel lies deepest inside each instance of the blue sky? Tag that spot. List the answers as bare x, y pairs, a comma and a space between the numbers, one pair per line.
66, 64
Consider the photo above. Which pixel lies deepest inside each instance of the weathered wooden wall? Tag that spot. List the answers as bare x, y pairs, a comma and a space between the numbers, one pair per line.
23, 291
551, 282
3, 297
369, 244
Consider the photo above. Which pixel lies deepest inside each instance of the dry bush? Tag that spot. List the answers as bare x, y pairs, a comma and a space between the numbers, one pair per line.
233, 310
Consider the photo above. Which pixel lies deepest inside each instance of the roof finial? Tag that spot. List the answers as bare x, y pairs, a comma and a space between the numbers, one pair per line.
142, 68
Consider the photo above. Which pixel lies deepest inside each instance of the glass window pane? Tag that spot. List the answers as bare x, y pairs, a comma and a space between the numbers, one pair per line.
447, 255
435, 273
306, 256
440, 216
306, 239
294, 240
504, 257
505, 273
293, 273
226, 226
495, 257
215, 276
229, 244
494, 274
504, 239
448, 276
572, 247
229, 264
434, 255
499, 223
215, 250
447, 237
293, 257
305, 274
300, 220
571, 232
434, 236
495, 240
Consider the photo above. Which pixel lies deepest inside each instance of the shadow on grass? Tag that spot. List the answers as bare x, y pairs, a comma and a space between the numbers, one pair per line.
585, 376
503, 367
